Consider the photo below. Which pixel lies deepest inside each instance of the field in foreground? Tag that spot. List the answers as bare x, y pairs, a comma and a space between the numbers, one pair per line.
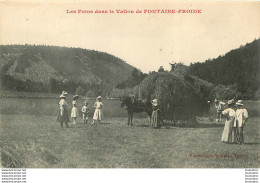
39, 142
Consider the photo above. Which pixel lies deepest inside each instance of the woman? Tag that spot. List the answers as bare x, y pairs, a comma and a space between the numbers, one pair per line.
230, 115
156, 117
98, 114
63, 116
74, 110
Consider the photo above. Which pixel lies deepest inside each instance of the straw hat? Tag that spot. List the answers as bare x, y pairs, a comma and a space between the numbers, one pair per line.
63, 94
75, 97
99, 97
154, 102
240, 102
230, 102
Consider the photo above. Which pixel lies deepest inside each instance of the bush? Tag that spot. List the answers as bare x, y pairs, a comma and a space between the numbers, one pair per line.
223, 92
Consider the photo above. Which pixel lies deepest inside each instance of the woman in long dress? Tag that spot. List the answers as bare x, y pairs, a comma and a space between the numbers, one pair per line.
156, 117
98, 114
230, 115
74, 110
63, 116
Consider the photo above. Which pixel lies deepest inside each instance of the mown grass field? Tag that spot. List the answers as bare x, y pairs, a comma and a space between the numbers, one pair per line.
31, 138
39, 142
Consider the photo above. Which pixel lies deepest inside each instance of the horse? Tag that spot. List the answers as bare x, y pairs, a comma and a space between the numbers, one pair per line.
135, 106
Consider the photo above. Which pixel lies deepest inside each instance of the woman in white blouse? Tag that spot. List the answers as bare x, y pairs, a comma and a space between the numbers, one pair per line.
63, 116
74, 110
98, 114
230, 114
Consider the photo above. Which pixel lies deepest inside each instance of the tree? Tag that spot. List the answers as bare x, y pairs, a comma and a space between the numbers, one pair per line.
79, 91
52, 84
161, 69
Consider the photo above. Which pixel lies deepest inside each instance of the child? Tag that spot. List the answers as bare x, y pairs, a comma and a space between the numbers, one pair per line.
85, 112
98, 111
74, 110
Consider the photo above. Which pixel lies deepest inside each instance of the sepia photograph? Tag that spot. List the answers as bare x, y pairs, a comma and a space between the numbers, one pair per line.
131, 84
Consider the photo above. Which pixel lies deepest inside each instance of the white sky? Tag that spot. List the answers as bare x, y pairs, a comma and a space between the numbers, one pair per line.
145, 41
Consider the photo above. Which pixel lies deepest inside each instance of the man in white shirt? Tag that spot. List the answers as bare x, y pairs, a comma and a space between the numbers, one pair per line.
241, 118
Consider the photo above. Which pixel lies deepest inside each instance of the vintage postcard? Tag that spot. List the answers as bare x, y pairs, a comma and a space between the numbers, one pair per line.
130, 84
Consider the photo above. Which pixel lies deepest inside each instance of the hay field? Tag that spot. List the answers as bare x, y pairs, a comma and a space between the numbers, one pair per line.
39, 142
31, 138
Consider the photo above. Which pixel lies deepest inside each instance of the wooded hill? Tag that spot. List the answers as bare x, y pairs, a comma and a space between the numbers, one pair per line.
239, 69
53, 69
235, 74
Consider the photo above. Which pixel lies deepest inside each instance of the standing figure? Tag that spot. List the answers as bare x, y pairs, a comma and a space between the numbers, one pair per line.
74, 110
63, 116
85, 112
230, 115
219, 108
98, 114
156, 115
241, 118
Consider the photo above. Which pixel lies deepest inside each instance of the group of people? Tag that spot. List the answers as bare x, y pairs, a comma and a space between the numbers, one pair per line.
63, 116
236, 117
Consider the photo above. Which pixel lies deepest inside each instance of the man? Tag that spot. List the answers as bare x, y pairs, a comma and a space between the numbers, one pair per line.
219, 108
241, 118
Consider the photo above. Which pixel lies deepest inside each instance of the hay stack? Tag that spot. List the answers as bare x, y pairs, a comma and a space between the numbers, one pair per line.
180, 97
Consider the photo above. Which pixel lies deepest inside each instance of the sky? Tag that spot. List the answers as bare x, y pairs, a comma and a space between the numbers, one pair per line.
144, 40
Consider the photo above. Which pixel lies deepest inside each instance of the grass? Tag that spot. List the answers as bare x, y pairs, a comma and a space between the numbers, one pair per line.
31, 138
49, 106
33, 104
31, 141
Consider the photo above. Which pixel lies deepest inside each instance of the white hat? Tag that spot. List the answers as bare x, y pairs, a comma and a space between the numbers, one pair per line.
75, 97
154, 102
230, 102
63, 94
240, 102
99, 97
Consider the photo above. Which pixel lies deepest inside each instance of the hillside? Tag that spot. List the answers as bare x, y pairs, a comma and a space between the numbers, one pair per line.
51, 68
239, 67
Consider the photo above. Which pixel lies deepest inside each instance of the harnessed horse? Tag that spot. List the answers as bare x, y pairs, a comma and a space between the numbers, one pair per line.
135, 106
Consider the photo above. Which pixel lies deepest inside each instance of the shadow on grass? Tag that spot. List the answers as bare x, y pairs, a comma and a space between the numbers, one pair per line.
145, 126
195, 125
104, 123
209, 125
251, 143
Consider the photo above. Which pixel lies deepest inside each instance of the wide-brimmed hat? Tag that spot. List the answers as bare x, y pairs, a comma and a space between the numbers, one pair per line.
75, 97
154, 102
99, 97
239, 102
63, 94
230, 102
